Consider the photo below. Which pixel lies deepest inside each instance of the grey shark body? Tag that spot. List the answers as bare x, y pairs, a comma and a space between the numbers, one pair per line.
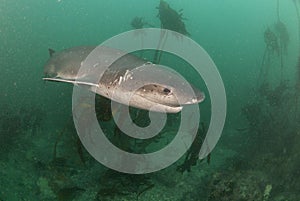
65, 64
119, 81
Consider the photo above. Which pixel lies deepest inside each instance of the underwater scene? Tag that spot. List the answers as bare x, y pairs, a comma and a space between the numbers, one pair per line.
150, 100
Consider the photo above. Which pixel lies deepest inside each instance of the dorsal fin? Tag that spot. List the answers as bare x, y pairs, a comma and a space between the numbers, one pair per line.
51, 52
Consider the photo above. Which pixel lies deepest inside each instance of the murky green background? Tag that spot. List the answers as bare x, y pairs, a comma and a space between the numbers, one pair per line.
257, 157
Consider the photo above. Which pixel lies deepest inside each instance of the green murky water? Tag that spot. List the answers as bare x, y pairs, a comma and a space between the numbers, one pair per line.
255, 46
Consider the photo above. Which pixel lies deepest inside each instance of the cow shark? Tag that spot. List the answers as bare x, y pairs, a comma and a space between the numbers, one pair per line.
162, 91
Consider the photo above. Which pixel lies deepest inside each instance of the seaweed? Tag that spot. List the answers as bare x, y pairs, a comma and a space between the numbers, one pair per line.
58, 139
243, 186
277, 41
121, 184
128, 143
15, 121
272, 139
103, 114
192, 155
282, 31
103, 108
139, 23
271, 47
32, 117
69, 193
11, 127
171, 20
298, 61
271, 41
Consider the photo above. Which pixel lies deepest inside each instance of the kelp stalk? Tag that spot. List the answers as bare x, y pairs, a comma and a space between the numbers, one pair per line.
298, 62
280, 24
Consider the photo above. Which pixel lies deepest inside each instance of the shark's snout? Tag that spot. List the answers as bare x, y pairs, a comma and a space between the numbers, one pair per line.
198, 98
190, 97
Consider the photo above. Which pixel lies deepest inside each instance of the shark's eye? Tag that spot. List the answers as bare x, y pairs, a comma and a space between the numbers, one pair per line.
166, 90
